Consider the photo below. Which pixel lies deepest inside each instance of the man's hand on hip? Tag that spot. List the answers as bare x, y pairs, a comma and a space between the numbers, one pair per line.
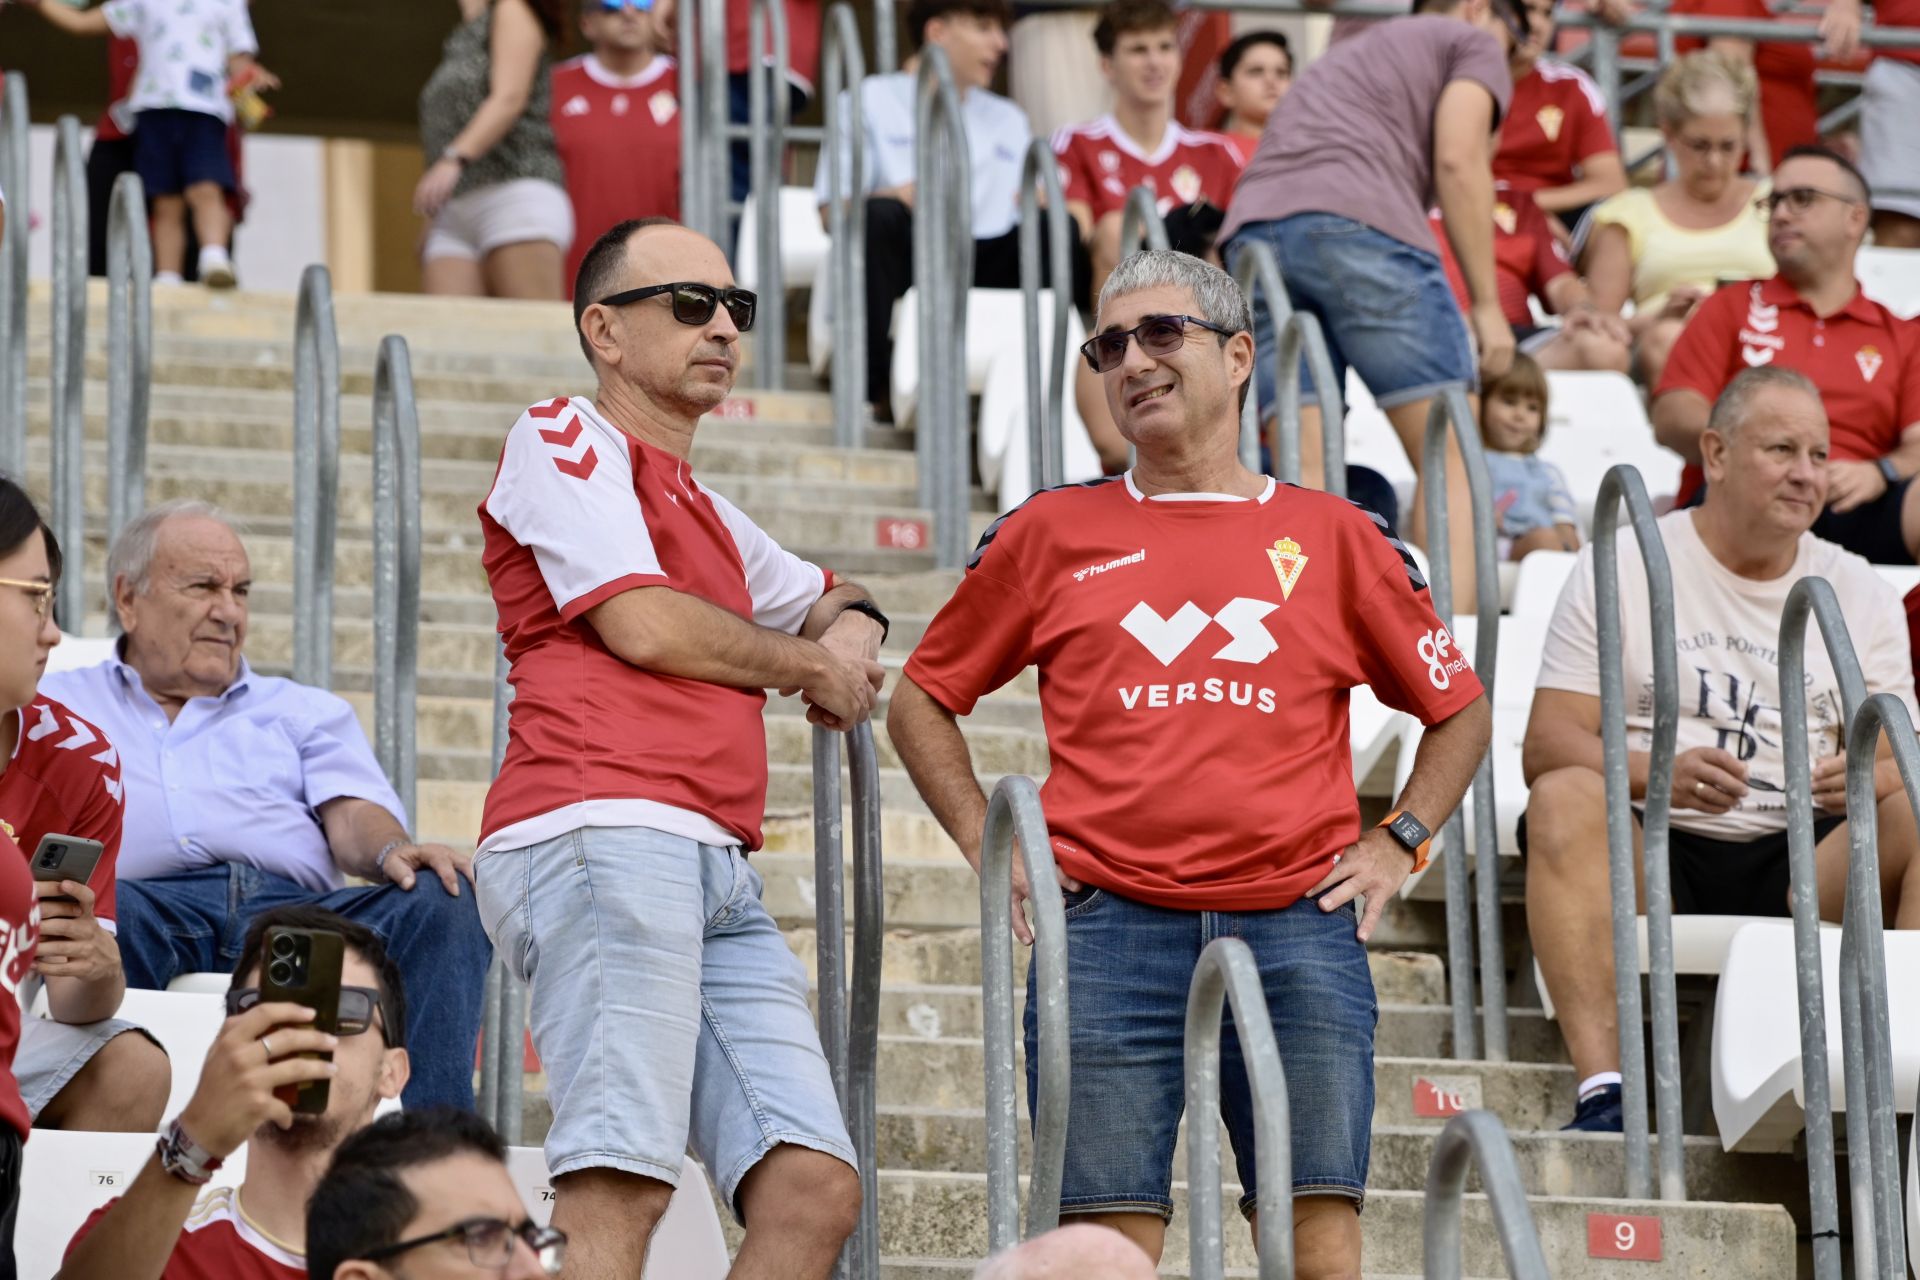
1375, 866
407, 860
1021, 892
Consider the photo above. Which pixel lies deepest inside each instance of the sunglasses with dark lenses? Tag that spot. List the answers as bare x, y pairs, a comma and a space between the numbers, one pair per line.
1157, 335
694, 303
615, 6
489, 1243
355, 1013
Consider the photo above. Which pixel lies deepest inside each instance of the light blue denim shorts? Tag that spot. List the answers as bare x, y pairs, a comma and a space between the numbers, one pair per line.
666, 1007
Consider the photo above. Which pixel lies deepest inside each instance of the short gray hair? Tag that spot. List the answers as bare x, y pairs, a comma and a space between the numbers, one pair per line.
131, 556
1220, 300
1735, 404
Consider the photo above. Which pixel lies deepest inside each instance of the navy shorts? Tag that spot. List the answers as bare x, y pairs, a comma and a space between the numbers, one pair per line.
1128, 969
173, 149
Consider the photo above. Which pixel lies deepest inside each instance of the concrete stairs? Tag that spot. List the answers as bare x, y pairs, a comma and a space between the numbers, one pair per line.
221, 430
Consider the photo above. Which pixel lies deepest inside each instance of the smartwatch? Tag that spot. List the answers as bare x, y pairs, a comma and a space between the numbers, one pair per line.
1412, 835
1886, 469
871, 610
185, 1159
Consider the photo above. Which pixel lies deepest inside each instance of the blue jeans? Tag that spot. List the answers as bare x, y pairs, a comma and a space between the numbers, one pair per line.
1128, 969
195, 922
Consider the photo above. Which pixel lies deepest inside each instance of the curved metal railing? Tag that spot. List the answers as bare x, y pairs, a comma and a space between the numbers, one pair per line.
943, 273
1257, 272
695, 189
14, 175
1014, 814
396, 569
316, 475
1622, 484
69, 365
129, 351
767, 146
842, 70
1226, 974
503, 1009
1477, 1138
1141, 226
1451, 414
1046, 383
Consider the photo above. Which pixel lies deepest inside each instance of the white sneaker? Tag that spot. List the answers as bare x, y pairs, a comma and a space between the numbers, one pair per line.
167, 277
216, 268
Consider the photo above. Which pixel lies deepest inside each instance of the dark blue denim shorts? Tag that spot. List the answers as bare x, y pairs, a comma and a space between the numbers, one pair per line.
1128, 968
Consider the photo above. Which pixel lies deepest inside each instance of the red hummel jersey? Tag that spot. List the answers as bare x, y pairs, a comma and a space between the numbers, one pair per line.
217, 1243
1526, 257
64, 779
1099, 164
1864, 359
619, 138
1788, 110
1557, 120
1195, 658
19, 934
581, 511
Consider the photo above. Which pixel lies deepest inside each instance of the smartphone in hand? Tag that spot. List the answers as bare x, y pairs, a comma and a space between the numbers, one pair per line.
60, 858
302, 966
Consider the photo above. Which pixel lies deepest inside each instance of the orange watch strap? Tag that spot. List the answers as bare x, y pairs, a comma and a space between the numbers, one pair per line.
1421, 856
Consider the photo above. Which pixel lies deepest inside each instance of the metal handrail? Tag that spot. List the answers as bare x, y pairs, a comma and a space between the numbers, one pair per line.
129, 350
316, 475
767, 146
502, 1079
1478, 1139
842, 72
1046, 385
1141, 226
69, 365
693, 149
1014, 814
15, 179
396, 568
714, 93
1226, 974
1451, 413
885, 50
1622, 485
943, 273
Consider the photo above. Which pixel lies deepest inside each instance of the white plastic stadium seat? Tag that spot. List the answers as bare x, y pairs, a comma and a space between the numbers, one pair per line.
1000, 438
184, 1024
1913, 1202
1758, 1093
1699, 942
202, 983
996, 323
1372, 442
688, 1244
1901, 577
74, 652
1890, 277
803, 241
1541, 578
1595, 421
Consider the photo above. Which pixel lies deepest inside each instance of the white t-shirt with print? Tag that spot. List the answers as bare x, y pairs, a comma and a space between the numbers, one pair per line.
184, 47
1728, 629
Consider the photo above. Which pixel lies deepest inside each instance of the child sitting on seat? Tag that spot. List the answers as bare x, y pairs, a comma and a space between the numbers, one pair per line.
1530, 496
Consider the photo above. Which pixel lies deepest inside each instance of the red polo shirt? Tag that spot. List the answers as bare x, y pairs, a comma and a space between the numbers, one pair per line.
1864, 359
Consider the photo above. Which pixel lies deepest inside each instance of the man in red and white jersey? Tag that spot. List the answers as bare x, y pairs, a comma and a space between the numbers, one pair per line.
1140, 144
1555, 142
616, 124
1198, 629
1889, 103
645, 617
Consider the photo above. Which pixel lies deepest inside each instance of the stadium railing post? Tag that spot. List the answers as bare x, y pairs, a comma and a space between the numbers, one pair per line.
1622, 486
316, 475
767, 111
1046, 389
885, 43
715, 163
842, 70
1257, 272
693, 187
504, 1014
69, 362
1141, 226
1451, 415
486, 1098
1813, 597
1227, 974
1013, 814
1300, 334
1478, 1139
14, 180
943, 272
396, 569
129, 350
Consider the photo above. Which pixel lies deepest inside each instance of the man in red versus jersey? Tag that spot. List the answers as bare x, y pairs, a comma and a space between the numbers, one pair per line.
1198, 629
1555, 142
170, 1224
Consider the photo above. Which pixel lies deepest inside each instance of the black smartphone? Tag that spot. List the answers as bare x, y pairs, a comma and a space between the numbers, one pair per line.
302, 966
66, 858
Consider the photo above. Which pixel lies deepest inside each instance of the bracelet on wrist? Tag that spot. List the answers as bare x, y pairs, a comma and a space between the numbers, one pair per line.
380, 859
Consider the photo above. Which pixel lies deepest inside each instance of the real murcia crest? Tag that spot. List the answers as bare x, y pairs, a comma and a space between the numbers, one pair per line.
1869, 360
1550, 118
1288, 564
1504, 217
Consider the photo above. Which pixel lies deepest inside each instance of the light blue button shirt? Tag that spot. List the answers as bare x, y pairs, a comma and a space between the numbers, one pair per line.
233, 778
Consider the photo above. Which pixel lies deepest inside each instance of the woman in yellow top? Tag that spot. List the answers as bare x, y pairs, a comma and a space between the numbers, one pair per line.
1666, 247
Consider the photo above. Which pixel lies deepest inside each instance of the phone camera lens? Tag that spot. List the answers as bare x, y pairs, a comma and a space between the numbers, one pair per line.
282, 945
281, 972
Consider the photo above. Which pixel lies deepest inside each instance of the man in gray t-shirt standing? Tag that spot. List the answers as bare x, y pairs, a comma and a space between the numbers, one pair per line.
1382, 127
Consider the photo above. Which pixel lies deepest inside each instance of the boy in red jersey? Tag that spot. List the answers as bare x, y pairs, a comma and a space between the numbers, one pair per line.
1198, 628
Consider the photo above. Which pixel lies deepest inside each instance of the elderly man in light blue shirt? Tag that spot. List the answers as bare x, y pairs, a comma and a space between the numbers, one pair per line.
245, 792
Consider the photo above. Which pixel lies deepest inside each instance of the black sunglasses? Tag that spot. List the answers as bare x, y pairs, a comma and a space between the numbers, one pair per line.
489, 1243
694, 303
355, 1015
1157, 335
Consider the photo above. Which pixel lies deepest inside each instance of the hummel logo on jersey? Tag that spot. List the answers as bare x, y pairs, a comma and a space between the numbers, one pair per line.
1094, 570
566, 436
1168, 638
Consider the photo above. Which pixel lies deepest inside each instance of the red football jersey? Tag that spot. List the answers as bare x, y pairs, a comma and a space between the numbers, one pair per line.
1864, 359
579, 512
217, 1243
1099, 164
619, 138
19, 935
1897, 13
1788, 110
803, 40
1556, 121
64, 779
1195, 656
1526, 257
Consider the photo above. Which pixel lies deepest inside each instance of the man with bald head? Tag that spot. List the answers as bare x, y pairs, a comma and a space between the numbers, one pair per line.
1077, 1252
646, 617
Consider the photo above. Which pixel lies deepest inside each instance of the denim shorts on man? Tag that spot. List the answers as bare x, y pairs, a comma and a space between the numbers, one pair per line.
1385, 308
1129, 966
666, 1006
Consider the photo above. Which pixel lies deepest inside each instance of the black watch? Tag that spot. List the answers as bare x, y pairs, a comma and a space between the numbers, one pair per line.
1886, 469
871, 610
1409, 831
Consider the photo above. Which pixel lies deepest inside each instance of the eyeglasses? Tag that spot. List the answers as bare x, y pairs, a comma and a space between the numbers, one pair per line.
1798, 199
694, 303
1157, 335
42, 593
355, 1013
490, 1243
615, 6
1705, 148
